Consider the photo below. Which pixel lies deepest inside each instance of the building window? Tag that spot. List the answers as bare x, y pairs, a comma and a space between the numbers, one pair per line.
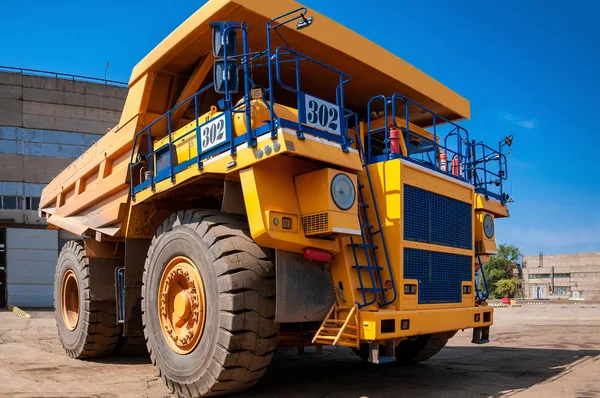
538, 276
565, 275
19, 202
9, 202
561, 290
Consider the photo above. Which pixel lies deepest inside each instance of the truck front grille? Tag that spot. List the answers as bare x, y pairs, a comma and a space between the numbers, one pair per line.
440, 275
437, 219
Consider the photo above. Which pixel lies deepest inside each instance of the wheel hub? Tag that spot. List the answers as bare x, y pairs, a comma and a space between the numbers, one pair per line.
181, 305
70, 300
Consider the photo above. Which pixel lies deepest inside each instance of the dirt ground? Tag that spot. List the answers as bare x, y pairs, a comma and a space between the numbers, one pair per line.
549, 350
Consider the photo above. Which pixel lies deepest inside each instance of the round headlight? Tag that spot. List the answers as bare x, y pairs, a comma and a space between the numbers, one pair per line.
488, 226
343, 191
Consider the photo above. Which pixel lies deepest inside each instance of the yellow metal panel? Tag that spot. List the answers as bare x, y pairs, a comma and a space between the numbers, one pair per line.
269, 186
485, 245
422, 322
320, 200
337, 46
491, 205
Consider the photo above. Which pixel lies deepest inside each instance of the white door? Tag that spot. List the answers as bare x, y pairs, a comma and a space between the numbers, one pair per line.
31, 256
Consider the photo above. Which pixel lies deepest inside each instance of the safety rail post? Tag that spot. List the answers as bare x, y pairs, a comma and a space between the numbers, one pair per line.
171, 174
299, 133
270, 77
150, 157
435, 145
247, 111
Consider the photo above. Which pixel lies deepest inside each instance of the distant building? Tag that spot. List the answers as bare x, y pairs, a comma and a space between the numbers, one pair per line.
562, 276
46, 121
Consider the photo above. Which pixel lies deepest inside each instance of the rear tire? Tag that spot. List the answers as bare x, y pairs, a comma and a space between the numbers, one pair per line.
238, 333
87, 328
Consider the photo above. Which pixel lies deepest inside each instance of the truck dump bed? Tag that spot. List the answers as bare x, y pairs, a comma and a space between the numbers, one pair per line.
93, 193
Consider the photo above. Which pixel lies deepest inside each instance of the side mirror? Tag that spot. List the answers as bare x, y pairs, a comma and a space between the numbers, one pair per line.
223, 77
224, 40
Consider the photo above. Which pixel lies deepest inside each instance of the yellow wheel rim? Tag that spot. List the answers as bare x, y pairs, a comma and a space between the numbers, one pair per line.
70, 300
181, 305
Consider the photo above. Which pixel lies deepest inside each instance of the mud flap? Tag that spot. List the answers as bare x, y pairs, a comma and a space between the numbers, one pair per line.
304, 288
481, 335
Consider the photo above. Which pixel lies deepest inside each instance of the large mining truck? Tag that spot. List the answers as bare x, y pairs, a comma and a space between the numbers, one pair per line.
275, 178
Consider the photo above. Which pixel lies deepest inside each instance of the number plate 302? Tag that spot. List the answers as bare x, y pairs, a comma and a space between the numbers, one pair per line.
214, 132
322, 115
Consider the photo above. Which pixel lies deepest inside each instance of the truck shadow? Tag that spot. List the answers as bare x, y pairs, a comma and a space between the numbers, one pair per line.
454, 372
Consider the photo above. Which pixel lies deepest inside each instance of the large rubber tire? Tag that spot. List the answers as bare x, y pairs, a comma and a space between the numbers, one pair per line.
97, 331
414, 350
239, 334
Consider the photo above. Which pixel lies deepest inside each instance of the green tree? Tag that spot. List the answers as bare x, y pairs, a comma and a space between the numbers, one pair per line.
507, 288
497, 269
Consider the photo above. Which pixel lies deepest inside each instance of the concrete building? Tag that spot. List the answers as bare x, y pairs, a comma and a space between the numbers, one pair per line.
562, 276
46, 121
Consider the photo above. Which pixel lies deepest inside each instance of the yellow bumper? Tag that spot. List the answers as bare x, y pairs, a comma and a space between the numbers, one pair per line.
382, 325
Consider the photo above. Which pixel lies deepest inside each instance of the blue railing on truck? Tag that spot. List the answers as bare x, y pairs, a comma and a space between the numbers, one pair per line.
146, 162
480, 165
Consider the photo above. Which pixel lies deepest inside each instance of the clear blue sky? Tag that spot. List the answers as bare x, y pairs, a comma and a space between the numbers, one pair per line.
530, 68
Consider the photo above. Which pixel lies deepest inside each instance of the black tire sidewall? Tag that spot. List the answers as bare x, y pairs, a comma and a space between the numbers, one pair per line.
181, 241
71, 339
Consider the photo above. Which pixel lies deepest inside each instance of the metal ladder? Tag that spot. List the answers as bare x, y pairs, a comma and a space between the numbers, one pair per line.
368, 233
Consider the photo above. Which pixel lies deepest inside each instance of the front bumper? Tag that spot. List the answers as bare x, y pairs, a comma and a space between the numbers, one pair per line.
381, 325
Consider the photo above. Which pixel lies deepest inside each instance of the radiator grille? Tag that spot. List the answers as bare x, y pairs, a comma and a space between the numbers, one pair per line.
437, 219
315, 223
440, 275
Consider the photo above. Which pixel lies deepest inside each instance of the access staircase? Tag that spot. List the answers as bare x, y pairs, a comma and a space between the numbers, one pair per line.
336, 331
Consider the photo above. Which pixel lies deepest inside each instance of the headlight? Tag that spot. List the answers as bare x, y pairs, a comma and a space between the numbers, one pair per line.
488, 226
343, 191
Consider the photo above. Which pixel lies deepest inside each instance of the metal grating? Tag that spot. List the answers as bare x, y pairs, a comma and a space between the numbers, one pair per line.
440, 275
315, 223
437, 219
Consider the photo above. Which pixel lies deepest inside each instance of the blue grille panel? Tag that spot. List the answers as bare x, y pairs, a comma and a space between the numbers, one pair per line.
440, 275
436, 219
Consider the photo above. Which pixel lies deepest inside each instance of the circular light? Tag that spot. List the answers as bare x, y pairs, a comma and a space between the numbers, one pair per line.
343, 191
259, 154
488, 226
276, 221
276, 146
268, 150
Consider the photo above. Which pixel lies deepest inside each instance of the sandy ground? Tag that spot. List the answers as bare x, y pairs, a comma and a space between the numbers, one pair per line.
550, 350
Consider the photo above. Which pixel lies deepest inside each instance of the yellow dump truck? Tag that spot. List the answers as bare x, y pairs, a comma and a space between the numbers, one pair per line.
275, 178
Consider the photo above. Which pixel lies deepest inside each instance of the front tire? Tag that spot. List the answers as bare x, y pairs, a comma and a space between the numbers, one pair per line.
208, 304
87, 328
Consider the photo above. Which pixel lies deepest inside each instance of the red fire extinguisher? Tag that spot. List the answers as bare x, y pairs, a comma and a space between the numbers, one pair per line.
443, 161
456, 166
394, 140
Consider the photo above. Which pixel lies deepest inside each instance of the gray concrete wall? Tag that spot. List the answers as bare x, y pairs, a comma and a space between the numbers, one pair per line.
45, 123
583, 270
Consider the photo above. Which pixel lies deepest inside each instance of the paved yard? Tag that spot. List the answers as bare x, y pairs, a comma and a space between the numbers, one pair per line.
550, 350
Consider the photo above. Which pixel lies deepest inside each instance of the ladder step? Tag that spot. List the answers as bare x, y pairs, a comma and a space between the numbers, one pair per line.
375, 232
373, 289
365, 245
361, 186
367, 267
369, 226
366, 206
